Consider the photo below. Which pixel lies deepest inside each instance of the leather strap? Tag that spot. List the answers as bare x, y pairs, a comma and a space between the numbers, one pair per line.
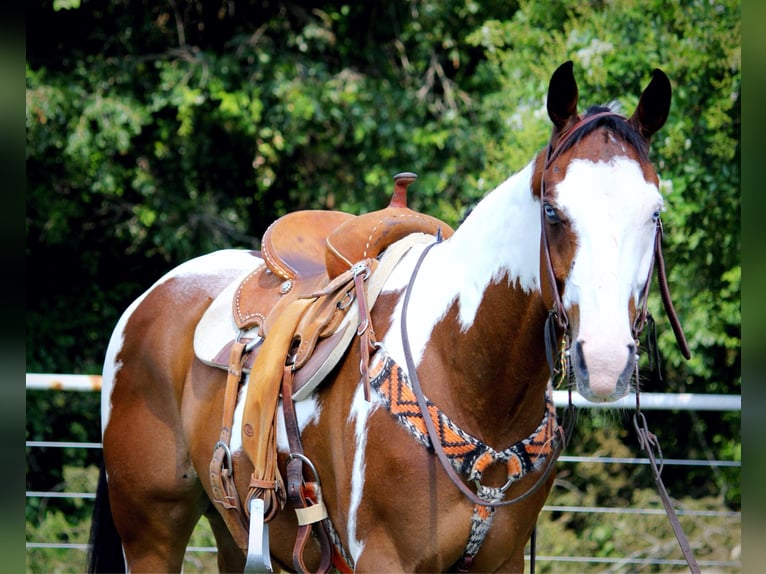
364, 331
642, 315
648, 441
221, 470
662, 280
557, 307
296, 493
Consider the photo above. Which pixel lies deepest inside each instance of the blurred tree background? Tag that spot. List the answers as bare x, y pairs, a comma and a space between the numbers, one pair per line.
157, 131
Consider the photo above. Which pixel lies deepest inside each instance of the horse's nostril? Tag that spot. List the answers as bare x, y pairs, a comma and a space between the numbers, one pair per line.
579, 359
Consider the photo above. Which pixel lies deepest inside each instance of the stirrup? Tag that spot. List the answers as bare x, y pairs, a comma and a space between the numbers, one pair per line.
258, 555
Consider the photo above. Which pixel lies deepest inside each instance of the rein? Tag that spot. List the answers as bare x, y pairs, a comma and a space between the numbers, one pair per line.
648, 442
433, 434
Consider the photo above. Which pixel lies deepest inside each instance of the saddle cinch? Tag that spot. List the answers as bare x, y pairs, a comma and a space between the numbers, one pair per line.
297, 313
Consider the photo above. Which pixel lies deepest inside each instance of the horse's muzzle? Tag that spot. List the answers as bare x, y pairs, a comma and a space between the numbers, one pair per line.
603, 375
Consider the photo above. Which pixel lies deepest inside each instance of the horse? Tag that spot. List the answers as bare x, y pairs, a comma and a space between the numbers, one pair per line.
546, 278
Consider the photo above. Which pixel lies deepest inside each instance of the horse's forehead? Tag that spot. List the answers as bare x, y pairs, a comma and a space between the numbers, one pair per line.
607, 193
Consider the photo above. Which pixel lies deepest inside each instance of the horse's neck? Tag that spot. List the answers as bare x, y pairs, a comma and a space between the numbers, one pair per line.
475, 317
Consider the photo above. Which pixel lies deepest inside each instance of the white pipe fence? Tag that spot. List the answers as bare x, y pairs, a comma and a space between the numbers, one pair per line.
648, 401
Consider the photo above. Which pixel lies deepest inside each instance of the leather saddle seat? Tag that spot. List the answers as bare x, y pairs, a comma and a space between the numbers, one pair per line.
312, 254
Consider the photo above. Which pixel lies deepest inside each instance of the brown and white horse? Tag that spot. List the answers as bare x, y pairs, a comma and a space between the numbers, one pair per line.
571, 236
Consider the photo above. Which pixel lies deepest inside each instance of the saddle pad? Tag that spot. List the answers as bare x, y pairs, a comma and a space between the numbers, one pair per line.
216, 328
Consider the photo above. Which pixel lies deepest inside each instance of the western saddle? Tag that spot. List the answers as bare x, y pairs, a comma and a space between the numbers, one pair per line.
296, 318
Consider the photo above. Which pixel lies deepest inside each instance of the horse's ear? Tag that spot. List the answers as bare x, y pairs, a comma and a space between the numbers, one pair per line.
653, 106
562, 96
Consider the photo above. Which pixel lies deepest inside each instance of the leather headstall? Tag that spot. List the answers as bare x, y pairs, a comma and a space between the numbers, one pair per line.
557, 311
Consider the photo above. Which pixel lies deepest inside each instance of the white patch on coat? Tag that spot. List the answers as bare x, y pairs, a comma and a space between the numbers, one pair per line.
358, 415
610, 207
208, 272
500, 237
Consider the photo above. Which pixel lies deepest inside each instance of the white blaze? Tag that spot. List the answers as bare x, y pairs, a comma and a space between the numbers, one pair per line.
610, 207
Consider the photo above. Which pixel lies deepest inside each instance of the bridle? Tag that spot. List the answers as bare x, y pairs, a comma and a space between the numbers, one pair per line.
557, 317
557, 311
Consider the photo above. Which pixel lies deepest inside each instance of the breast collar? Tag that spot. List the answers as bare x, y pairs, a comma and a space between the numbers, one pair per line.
469, 456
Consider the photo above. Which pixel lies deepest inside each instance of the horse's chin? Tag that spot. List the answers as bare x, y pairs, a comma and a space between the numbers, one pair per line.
604, 391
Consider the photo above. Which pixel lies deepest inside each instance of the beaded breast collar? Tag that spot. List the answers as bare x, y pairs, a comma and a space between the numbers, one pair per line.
468, 455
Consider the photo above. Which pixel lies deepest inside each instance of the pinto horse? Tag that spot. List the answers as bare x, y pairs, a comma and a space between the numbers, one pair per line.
551, 269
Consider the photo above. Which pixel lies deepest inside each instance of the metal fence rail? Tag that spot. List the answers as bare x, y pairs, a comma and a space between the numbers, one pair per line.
649, 401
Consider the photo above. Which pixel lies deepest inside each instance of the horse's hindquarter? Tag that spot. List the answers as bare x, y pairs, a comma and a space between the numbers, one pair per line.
147, 398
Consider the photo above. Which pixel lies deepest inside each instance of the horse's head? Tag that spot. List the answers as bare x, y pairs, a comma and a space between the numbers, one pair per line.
600, 218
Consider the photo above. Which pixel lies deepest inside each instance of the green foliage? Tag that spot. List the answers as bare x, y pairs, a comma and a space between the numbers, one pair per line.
614, 47
167, 130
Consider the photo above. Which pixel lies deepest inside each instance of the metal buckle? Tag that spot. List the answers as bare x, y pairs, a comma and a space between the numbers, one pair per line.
359, 268
226, 452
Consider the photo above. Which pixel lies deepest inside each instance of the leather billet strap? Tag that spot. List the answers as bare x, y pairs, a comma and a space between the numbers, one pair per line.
364, 331
221, 468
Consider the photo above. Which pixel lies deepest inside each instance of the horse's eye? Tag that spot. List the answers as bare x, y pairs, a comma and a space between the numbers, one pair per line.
656, 215
550, 214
